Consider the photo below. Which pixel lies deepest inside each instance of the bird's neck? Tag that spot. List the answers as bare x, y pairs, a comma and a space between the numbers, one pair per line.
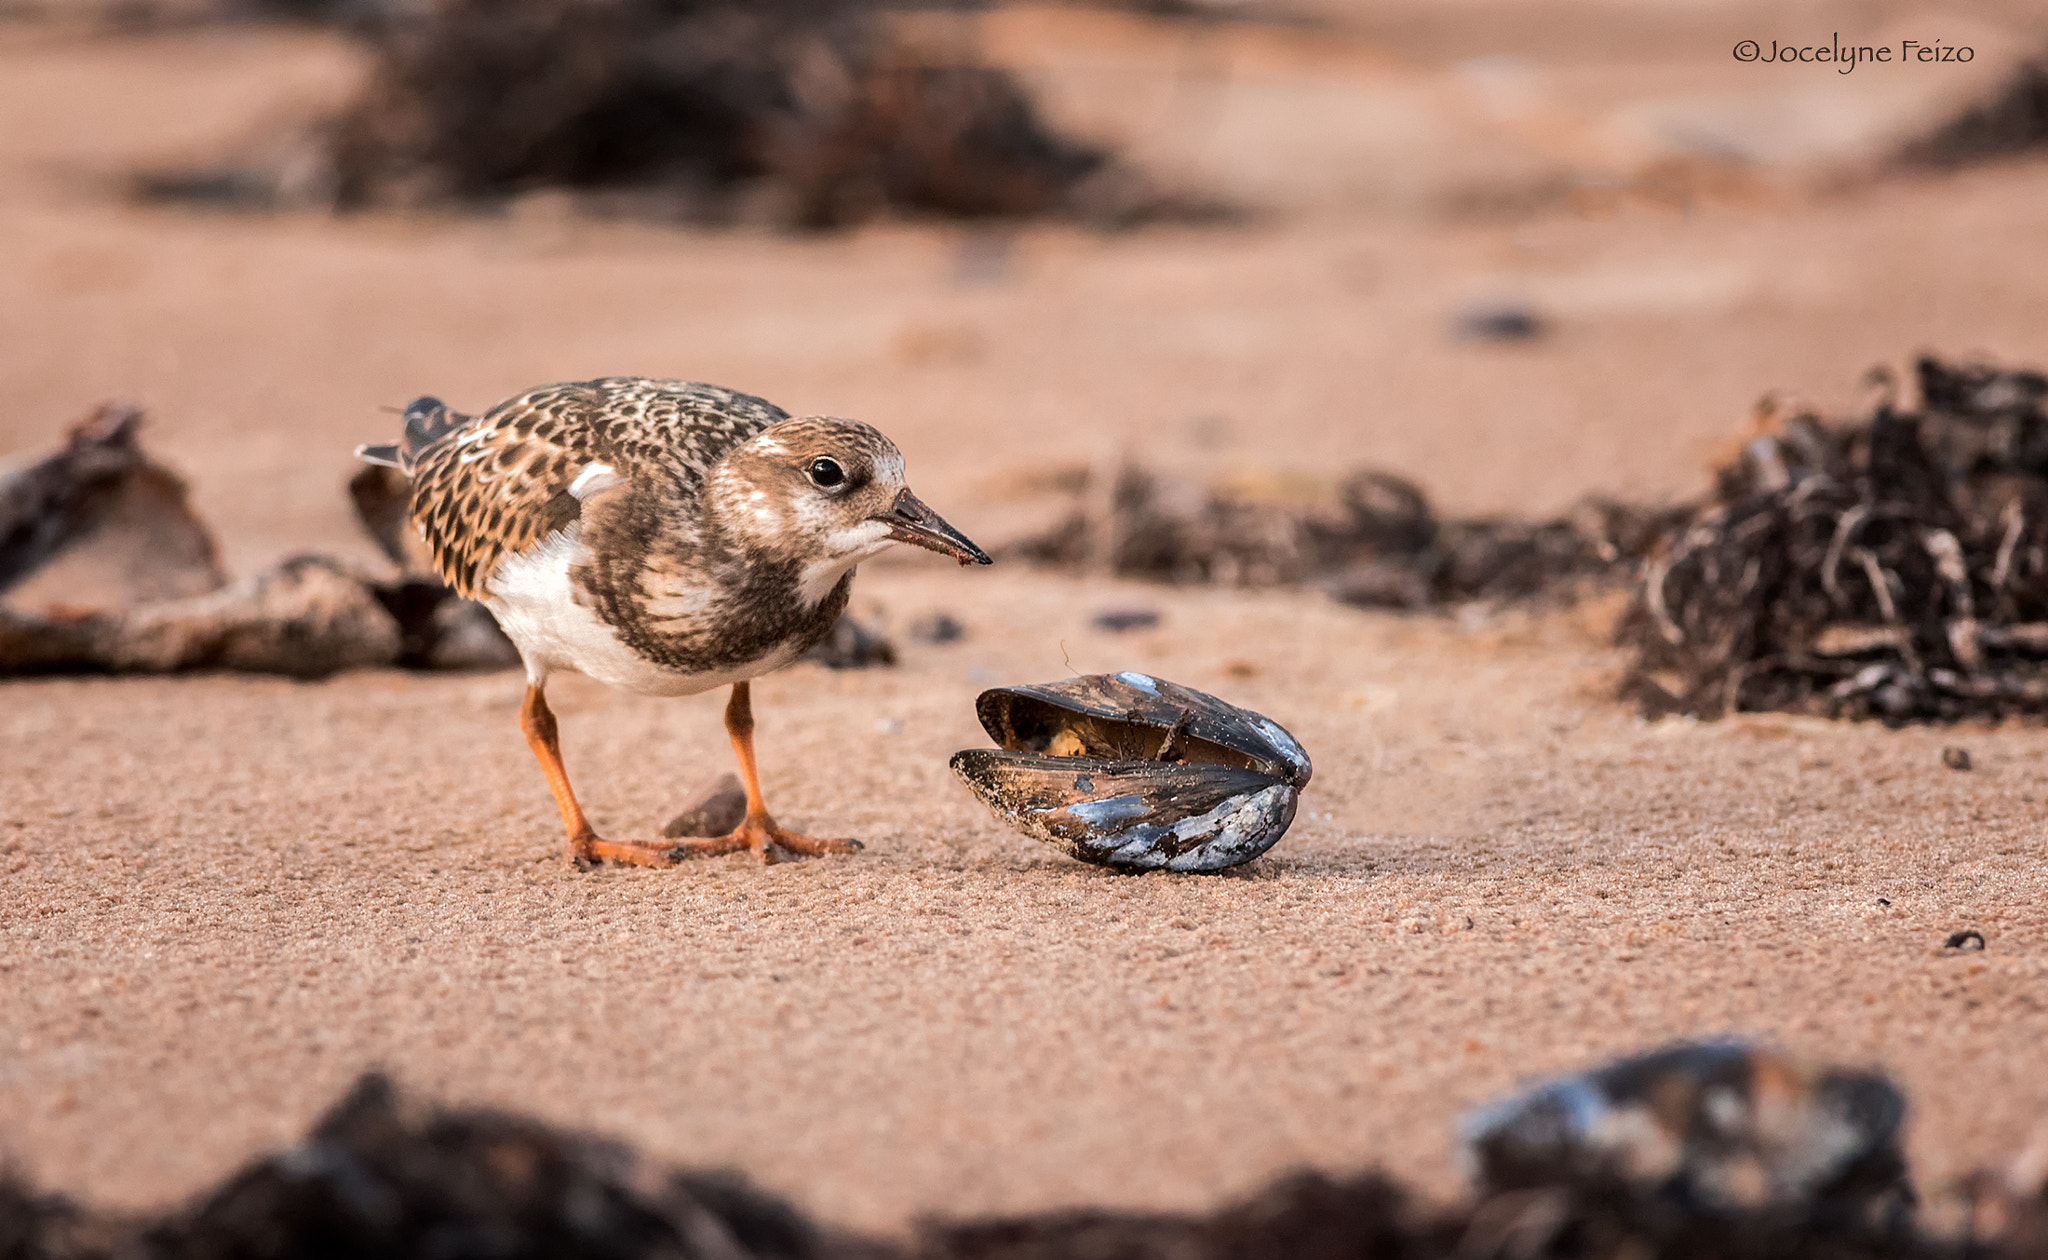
757, 535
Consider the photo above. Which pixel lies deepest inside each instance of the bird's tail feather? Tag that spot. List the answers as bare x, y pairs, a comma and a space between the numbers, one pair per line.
427, 421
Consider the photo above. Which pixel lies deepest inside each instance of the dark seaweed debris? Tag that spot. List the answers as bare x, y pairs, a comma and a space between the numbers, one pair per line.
1306, 1216
1891, 566
1382, 545
377, 1179
852, 645
2010, 122
808, 113
379, 1176
1894, 567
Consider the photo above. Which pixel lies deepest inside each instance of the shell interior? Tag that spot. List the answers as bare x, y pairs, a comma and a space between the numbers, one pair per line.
1135, 717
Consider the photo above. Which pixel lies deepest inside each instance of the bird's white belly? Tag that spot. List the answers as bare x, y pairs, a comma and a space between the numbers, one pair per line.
546, 618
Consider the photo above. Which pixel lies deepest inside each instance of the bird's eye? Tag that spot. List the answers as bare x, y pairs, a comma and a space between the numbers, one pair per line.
826, 472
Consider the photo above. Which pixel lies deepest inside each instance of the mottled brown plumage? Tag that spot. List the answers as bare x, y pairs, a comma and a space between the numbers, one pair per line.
498, 483
663, 536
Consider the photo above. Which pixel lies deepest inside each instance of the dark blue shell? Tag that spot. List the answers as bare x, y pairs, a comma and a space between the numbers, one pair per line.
1131, 771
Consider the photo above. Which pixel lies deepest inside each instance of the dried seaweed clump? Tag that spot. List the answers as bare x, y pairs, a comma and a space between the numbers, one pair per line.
1381, 545
802, 112
1892, 567
380, 1176
2013, 120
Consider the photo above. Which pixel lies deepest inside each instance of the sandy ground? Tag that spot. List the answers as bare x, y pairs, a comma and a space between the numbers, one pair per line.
226, 897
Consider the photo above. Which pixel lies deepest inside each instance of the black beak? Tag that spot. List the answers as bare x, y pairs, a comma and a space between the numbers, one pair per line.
912, 522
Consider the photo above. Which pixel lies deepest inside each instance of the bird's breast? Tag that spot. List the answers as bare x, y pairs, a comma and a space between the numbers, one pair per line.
557, 624
656, 625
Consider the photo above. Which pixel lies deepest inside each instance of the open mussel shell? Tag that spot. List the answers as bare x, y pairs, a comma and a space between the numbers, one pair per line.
1131, 771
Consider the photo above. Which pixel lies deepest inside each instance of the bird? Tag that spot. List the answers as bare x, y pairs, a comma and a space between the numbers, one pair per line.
665, 537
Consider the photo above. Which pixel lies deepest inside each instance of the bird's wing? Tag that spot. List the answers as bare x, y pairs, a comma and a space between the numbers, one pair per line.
504, 481
677, 429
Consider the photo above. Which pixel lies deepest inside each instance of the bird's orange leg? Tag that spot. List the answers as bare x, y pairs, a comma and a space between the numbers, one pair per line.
758, 831
586, 847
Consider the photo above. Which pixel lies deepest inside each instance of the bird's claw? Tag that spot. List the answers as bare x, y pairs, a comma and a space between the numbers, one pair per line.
783, 846
588, 852
768, 842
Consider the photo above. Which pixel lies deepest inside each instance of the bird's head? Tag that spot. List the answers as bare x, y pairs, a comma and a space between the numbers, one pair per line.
830, 494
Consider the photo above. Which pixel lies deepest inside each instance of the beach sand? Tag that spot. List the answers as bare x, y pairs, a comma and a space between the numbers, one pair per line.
226, 897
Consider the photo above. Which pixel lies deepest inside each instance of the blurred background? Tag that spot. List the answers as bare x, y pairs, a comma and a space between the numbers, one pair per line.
1516, 250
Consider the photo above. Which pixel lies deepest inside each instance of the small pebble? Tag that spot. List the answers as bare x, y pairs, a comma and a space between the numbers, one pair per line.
937, 627
1968, 938
715, 808
1119, 620
1500, 323
853, 646
1955, 758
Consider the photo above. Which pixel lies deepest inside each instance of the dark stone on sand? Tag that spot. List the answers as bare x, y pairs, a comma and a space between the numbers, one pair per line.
97, 524
852, 645
714, 809
1124, 620
937, 627
1500, 323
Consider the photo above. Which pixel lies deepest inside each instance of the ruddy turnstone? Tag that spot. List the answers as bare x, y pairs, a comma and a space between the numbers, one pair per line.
661, 536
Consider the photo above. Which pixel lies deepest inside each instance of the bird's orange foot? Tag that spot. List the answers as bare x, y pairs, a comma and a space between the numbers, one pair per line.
768, 840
